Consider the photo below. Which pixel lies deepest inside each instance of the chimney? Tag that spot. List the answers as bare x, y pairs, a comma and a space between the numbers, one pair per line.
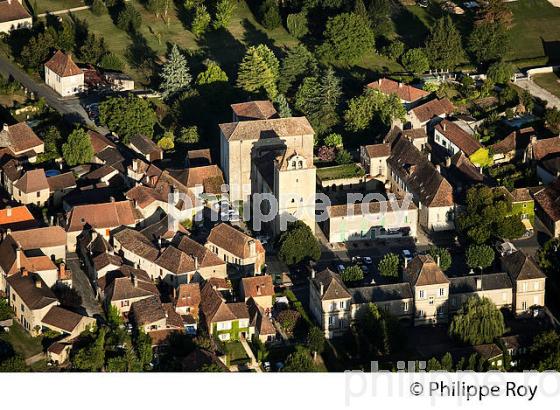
8, 231
61, 270
8, 211
252, 248
134, 281
447, 162
444, 125
18, 257
312, 273
195, 262
135, 165
405, 263
438, 260
5, 127
112, 199
438, 168
478, 283
24, 273
259, 290
322, 289
159, 242
38, 282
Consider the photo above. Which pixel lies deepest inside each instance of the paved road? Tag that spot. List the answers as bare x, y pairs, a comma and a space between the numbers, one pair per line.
70, 109
539, 92
81, 283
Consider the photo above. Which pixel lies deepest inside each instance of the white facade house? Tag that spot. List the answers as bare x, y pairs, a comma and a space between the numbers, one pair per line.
13, 16
63, 75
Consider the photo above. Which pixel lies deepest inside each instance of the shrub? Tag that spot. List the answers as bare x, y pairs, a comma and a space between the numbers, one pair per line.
343, 157
270, 14
296, 24
288, 319
327, 154
98, 7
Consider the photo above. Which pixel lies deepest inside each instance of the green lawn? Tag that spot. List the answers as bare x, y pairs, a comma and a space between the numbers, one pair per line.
340, 171
43, 6
535, 22
549, 82
235, 351
21, 341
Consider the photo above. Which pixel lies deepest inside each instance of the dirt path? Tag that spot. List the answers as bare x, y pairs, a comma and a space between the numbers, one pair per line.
538, 91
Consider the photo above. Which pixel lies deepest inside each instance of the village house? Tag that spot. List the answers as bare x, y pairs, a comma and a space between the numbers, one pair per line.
145, 147
50, 240
13, 16
547, 207
513, 146
408, 95
545, 154
396, 299
224, 320
63, 75
494, 286
16, 218
260, 289
21, 141
284, 149
363, 221
528, 282
260, 321
430, 113
30, 298
102, 218
69, 323
151, 315
453, 139
60, 185
187, 304
374, 160
330, 303
410, 171
32, 188
237, 248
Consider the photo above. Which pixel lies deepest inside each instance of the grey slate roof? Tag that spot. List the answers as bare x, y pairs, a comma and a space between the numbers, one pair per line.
490, 281
381, 293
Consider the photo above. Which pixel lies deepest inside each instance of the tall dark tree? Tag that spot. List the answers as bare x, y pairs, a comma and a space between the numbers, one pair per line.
297, 63
443, 47
489, 42
298, 244
478, 321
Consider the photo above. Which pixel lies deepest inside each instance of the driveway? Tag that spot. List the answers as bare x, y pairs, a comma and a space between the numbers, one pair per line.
70, 109
81, 283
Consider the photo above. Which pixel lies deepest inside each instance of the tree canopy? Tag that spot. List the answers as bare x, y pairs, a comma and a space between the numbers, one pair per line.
443, 46
128, 116
77, 149
298, 244
478, 321
389, 265
175, 73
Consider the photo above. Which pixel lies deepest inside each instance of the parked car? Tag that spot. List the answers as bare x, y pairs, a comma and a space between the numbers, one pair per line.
368, 260
423, 3
407, 255
340, 268
505, 248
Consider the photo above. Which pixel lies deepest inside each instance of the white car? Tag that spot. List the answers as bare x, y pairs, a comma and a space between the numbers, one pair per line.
367, 260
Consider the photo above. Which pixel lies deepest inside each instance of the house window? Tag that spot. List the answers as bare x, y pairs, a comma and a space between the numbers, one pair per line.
332, 320
341, 323
125, 303
224, 336
38, 194
342, 305
431, 300
22, 307
442, 291
421, 294
405, 306
524, 305
224, 326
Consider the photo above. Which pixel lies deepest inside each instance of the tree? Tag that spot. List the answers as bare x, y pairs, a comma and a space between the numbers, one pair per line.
371, 105
93, 49
548, 257
343, 157
143, 348
488, 42
500, 72
189, 135
270, 14
91, 357
13, 364
379, 12
157, 7
98, 7
77, 149
297, 25
212, 74
511, 227
526, 99
433, 365
544, 353
111, 61
444, 256
415, 61
37, 50
282, 106
389, 265
347, 37
200, 21
443, 46
299, 361
128, 116
380, 333
299, 62
129, 19
65, 36
175, 73
5, 310
167, 141
478, 321
255, 75
447, 362
352, 274
318, 100
53, 143
552, 117
495, 12
333, 140
298, 244
224, 12
480, 256
393, 50
316, 341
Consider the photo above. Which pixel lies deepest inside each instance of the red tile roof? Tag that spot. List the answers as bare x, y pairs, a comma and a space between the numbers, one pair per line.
19, 138
11, 11
63, 65
433, 108
254, 110
106, 215
405, 92
33, 181
462, 139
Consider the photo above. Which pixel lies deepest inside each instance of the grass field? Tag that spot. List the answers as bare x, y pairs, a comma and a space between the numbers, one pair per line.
536, 29
549, 82
21, 341
43, 6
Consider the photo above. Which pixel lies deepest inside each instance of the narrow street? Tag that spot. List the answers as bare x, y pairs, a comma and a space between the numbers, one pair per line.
81, 283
